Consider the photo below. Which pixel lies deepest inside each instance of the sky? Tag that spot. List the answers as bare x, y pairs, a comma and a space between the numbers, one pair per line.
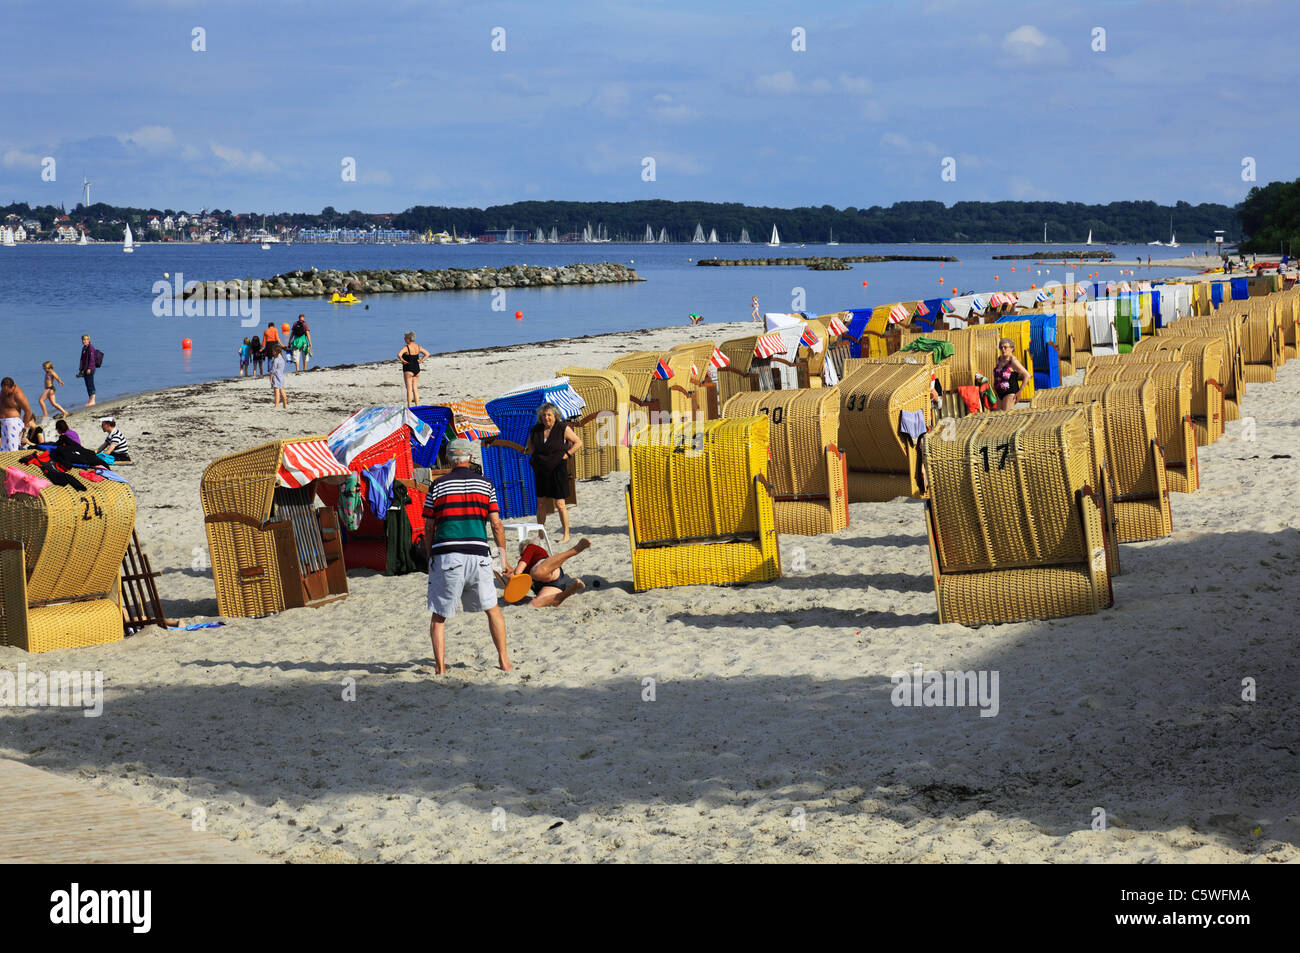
766, 103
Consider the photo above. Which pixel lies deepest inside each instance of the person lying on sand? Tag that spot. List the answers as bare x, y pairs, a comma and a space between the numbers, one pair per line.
551, 586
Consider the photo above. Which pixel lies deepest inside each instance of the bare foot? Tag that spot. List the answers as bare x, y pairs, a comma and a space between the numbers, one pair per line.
506, 666
564, 538
573, 590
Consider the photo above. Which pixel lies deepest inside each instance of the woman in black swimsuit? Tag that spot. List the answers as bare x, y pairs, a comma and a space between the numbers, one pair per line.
551, 443
411, 355
1009, 375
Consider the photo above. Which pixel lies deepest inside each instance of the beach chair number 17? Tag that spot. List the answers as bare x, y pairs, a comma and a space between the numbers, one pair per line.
91, 508
1002, 460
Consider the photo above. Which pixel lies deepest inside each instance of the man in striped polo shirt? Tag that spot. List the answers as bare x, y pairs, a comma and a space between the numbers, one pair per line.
457, 512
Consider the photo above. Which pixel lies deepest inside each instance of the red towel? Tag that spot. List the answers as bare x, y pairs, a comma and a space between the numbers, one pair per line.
970, 394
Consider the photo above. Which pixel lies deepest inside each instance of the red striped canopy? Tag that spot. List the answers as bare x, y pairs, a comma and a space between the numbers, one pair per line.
769, 344
300, 463
836, 326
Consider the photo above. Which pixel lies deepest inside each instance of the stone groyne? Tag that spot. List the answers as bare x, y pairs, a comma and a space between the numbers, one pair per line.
308, 283
821, 262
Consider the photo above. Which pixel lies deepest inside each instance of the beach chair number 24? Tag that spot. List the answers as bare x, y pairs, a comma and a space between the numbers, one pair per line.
1002, 460
90, 508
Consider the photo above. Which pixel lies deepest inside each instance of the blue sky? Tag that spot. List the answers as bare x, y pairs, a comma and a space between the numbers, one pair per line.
583, 92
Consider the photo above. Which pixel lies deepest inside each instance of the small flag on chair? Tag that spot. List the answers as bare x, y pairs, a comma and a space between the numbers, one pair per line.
1041, 295
663, 371
809, 337
1124, 287
718, 359
695, 371
1080, 290
947, 307
836, 326
977, 303
921, 309
898, 314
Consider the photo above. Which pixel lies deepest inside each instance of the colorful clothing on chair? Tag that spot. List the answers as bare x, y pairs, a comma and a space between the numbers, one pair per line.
911, 423
350, 506
379, 487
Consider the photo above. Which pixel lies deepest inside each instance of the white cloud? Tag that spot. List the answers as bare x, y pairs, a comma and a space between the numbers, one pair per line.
781, 83
819, 86
858, 85
1027, 45
16, 159
611, 98
872, 111
149, 138
376, 177
669, 111
1024, 190
901, 143
245, 162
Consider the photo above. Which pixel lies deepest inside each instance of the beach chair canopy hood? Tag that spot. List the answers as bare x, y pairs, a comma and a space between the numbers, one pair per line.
370, 426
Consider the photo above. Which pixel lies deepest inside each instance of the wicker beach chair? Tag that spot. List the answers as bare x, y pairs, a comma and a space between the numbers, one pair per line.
1226, 329
271, 548
703, 389
883, 462
61, 557
1205, 354
808, 472
604, 424
1134, 462
1261, 344
1015, 528
638, 369
1173, 384
975, 350
699, 505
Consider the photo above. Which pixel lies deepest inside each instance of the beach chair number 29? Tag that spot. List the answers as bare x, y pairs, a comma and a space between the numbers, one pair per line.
90, 508
1002, 460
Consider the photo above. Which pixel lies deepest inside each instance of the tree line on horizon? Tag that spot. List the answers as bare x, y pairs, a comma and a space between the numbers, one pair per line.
902, 222
1271, 217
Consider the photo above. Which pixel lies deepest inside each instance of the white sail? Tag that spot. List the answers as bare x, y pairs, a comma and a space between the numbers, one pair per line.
776, 239
539, 237
698, 238
128, 243
9, 238
586, 232
713, 236
555, 235
663, 236
832, 241
649, 235
84, 239
1089, 241
744, 236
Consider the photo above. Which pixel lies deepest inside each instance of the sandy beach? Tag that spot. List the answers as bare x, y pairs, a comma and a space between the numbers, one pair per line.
771, 735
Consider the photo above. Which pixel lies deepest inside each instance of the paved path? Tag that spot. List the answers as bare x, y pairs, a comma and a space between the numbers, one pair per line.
47, 819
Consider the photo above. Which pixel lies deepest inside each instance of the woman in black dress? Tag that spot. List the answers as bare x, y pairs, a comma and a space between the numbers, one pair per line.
411, 355
551, 443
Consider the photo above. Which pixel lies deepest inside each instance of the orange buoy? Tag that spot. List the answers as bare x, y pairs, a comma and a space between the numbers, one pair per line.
519, 315
940, 281
187, 344
285, 327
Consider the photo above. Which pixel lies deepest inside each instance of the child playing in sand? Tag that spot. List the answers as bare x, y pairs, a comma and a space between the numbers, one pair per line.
551, 586
52, 383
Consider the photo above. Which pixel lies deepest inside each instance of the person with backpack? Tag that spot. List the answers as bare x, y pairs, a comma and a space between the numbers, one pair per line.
91, 360
300, 343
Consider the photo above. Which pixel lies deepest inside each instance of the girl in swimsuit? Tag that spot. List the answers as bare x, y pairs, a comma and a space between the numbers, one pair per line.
52, 383
411, 355
1008, 375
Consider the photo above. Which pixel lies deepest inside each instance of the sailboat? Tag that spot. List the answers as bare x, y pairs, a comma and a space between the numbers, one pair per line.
540, 237
744, 236
9, 238
649, 235
832, 241
1089, 241
699, 235
128, 243
663, 236
555, 235
1173, 240
776, 239
713, 236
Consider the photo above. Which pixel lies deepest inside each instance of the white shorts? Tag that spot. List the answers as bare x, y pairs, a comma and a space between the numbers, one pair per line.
11, 433
461, 578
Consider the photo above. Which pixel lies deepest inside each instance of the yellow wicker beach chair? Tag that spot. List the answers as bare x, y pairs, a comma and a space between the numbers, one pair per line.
883, 462
702, 388
603, 428
975, 351
1289, 315
1131, 451
1261, 345
271, 548
1205, 354
736, 377
1227, 330
1015, 528
1173, 383
60, 562
808, 472
699, 505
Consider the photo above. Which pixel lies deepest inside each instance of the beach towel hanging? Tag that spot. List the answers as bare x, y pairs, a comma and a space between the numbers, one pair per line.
367, 427
300, 463
471, 421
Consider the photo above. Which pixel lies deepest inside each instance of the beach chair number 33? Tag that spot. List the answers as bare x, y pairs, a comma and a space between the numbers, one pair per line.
1005, 449
90, 508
